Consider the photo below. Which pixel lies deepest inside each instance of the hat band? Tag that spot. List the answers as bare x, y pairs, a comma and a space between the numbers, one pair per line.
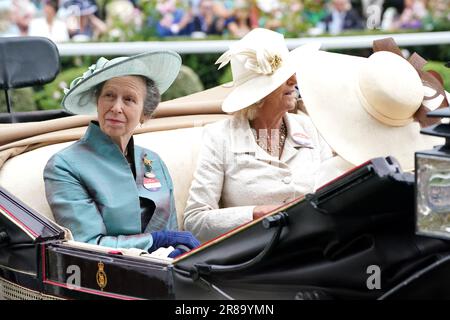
245, 78
251, 74
379, 116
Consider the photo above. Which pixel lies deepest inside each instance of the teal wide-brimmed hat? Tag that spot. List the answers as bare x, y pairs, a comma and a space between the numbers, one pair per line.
160, 66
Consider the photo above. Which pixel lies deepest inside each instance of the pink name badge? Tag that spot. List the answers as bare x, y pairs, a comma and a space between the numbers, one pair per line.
302, 139
152, 184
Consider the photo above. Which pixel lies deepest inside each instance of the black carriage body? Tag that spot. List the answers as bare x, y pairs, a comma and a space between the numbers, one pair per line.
54, 264
36, 262
22, 233
124, 277
334, 241
324, 250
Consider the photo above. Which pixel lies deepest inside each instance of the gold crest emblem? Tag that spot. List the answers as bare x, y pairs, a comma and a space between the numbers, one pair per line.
102, 279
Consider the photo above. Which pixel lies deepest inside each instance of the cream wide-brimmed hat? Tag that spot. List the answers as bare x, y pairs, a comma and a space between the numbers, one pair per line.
367, 107
160, 66
260, 63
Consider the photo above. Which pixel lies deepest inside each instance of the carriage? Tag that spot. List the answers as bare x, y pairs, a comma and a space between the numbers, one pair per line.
356, 237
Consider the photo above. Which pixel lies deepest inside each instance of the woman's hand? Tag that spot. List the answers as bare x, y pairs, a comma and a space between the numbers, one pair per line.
260, 211
176, 239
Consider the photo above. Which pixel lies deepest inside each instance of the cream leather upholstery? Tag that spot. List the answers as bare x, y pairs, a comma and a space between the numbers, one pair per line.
23, 175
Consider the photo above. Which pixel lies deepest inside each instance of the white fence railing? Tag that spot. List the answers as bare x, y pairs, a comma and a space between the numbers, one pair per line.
219, 46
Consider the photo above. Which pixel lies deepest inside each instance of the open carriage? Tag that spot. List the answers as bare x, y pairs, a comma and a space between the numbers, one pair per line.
355, 238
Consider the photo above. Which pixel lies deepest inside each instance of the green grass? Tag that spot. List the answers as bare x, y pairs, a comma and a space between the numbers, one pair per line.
442, 70
50, 95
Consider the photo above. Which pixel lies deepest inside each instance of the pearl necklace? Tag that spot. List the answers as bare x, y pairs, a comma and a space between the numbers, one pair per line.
265, 141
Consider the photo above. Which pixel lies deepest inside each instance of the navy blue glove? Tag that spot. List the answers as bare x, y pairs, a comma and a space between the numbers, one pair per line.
173, 238
176, 253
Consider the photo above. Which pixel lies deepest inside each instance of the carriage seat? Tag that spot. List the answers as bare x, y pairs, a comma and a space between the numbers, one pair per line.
22, 175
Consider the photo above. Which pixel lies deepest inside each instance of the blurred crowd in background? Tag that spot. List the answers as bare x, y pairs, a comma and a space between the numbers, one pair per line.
128, 20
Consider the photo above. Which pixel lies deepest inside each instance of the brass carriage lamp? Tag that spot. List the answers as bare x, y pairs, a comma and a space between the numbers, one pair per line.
432, 191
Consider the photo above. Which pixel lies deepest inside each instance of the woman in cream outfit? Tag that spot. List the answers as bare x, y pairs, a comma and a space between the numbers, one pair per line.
263, 156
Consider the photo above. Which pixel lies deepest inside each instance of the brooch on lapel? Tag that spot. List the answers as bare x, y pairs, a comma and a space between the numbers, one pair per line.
150, 181
148, 167
303, 140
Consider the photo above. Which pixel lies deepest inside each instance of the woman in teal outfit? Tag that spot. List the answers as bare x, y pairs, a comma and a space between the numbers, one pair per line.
104, 188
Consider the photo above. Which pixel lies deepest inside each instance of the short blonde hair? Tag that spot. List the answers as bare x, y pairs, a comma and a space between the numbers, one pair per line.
250, 112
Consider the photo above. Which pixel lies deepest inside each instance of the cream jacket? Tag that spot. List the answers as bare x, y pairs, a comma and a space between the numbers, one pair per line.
234, 174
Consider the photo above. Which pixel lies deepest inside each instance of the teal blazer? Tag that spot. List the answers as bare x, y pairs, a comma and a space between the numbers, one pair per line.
92, 191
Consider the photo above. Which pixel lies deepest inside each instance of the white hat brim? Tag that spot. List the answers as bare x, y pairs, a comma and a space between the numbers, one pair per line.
328, 87
255, 89
160, 66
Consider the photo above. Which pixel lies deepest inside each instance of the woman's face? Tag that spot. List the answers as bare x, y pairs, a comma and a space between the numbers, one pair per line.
49, 11
206, 8
285, 97
120, 105
241, 14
